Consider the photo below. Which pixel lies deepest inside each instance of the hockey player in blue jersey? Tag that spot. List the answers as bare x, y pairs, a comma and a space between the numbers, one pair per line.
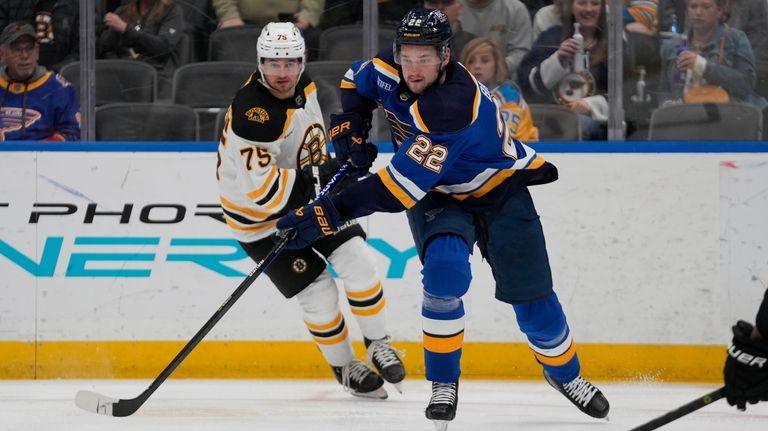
462, 179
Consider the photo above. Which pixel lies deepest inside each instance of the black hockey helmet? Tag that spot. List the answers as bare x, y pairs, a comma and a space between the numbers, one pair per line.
424, 27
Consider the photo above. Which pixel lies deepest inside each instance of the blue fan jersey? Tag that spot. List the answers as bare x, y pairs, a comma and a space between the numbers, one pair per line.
46, 108
451, 139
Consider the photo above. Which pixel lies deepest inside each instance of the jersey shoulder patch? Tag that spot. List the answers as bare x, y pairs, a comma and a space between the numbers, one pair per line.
450, 106
256, 114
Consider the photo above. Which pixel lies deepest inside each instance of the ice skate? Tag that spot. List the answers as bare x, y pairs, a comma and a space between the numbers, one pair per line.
442, 405
387, 361
360, 380
583, 395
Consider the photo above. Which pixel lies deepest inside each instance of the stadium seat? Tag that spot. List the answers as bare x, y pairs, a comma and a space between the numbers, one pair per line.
219, 125
345, 42
234, 44
145, 122
706, 121
208, 87
556, 122
118, 81
761, 87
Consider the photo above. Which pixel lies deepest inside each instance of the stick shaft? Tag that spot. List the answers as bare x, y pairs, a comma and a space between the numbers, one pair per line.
682, 411
128, 407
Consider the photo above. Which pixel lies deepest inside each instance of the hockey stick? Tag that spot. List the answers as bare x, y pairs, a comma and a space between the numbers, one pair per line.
104, 405
682, 411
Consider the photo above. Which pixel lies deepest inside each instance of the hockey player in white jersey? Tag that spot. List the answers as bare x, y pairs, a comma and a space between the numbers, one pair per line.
273, 139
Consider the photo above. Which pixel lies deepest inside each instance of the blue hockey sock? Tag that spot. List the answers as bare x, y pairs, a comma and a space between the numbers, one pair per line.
544, 323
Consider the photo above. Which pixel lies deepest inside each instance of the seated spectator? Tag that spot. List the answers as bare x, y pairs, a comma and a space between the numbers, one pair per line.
751, 17
641, 16
483, 58
715, 55
546, 17
345, 12
555, 70
452, 9
303, 13
35, 104
506, 22
56, 23
145, 30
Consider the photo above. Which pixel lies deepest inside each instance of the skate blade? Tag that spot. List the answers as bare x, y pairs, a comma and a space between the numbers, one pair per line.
378, 394
441, 425
398, 386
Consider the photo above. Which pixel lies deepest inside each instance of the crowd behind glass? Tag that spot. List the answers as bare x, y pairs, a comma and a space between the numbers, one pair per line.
537, 56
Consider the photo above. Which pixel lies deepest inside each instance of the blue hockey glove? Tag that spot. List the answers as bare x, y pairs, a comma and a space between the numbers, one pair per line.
310, 223
348, 133
746, 368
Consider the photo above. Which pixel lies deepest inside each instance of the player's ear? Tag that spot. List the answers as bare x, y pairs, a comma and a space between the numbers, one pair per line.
447, 58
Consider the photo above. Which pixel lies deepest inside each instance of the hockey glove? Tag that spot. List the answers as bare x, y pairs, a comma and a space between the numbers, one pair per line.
317, 176
746, 368
348, 133
309, 223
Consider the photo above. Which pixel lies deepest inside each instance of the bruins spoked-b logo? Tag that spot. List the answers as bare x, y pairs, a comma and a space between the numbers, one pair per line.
257, 114
312, 145
299, 265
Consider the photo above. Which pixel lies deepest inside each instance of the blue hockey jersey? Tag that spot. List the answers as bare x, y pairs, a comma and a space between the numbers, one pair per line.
451, 139
43, 108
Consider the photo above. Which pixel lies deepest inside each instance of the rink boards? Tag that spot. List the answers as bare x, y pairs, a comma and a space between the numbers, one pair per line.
111, 261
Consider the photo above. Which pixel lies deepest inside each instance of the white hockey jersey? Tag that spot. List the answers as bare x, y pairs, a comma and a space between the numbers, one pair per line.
264, 144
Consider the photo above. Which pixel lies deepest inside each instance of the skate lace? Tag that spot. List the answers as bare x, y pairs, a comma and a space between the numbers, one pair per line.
443, 393
580, 390
383, 353
354, 371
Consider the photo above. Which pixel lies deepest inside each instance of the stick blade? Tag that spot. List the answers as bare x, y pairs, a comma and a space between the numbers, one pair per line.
92, 402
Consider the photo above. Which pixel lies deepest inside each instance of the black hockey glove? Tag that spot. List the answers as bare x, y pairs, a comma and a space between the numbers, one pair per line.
317, 176
746, 368
348, 133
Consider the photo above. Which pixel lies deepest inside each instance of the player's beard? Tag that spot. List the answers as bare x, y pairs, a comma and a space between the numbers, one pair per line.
423, 83
283, 86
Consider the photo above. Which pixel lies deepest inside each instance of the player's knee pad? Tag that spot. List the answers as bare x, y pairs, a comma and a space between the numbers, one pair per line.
542, 319
355, 264
441, 304
320, 300
446, 271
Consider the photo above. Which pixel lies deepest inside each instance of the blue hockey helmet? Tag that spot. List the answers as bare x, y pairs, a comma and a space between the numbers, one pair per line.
424, 27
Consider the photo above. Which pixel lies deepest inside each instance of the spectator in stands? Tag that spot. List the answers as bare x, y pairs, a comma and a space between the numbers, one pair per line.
303, 13
506, 22
716, 55
546, 17
35, 104
551, 71
345, 12
751, 17
641, 16
145, 30
452, 9
483, 58
56, 23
